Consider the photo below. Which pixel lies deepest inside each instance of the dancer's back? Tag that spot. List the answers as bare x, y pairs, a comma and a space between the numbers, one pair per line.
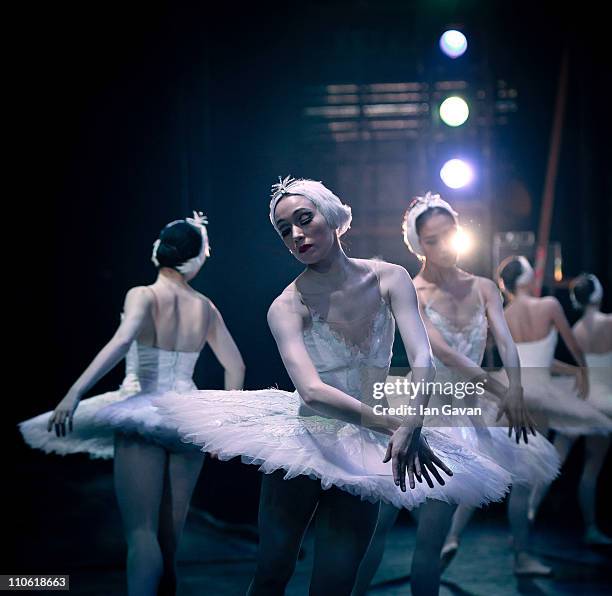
179, 318
529, 318
594, 333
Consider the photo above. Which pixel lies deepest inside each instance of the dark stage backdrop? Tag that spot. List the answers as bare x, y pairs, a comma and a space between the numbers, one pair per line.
152, 113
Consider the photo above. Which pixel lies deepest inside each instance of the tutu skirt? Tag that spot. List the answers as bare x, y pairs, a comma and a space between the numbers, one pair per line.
98, 418
267, 428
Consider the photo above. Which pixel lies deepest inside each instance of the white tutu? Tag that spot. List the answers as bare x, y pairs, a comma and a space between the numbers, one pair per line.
267, 428
151, 374
86, 437
553, 401
600, 378
276, 431
528, 464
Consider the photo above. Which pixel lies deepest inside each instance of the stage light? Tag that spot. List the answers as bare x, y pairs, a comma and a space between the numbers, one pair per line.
454, 111
463, 241
456, 173
453, 43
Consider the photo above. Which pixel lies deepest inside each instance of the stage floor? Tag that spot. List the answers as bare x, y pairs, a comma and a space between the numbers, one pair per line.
68, 523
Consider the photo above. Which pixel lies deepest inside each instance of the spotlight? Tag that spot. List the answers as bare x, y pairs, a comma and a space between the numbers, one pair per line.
454, 111
453, 43
456, 173
463, 241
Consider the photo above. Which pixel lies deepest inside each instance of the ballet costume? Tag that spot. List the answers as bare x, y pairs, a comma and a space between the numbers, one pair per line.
600, 381
528, 464
151, 374
554, 401
275, 430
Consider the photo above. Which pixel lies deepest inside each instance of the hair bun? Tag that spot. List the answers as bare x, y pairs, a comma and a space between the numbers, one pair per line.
168, 254
584, 290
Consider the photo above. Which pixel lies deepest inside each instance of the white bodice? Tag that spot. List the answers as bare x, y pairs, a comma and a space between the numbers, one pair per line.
349, 367
157, 370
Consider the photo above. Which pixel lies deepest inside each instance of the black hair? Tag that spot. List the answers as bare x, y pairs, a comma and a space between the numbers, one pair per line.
421, 220
179, 242
582, 288
509, 270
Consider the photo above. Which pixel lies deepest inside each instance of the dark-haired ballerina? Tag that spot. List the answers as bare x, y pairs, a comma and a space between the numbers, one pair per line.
592, 417
325, 450
167, 324
457, 307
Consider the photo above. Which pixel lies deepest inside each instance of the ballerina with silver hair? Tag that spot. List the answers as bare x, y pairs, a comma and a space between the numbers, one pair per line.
457, 308
591, 413
324, 447
164, 328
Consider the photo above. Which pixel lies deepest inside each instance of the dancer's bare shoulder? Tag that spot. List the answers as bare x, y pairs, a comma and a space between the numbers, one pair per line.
605, 318
390, 273
208, 304
138, 296
395, 281
487, 287
385, 268
287, 307
603, 324
424, 289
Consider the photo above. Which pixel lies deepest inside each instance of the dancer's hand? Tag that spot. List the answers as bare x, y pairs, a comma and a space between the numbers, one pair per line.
582, 382
519, 419
63, 413
410, 454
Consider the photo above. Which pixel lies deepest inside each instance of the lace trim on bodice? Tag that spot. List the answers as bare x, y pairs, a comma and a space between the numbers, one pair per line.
324, 329
372, 343
468, 339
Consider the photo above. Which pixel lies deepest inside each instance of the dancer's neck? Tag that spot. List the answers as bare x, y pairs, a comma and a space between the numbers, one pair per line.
440, 276
522, 292
331, 271
168, 276
591, 311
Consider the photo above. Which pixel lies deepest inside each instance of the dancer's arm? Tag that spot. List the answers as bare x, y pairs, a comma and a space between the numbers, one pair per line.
136, 308
286, 323
513, 404
563, 368
561, 323
226, 351
405, 307
408, 450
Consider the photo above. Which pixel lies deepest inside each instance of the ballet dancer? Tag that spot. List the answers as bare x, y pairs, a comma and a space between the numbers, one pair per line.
325, 449
164, 328
457, 308
590, 341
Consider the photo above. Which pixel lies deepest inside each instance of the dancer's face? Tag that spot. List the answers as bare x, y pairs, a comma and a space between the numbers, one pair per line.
303, 229
438, 240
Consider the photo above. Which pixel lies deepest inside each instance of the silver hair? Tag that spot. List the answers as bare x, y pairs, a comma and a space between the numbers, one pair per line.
336, 213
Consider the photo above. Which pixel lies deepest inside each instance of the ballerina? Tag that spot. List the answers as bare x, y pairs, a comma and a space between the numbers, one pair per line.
591, 344
163, 330
324, 447
593, 332
457, 307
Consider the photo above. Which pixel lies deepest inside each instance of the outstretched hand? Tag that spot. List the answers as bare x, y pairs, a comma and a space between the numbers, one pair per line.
411, 455
581, 384
519, 420
63, 414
